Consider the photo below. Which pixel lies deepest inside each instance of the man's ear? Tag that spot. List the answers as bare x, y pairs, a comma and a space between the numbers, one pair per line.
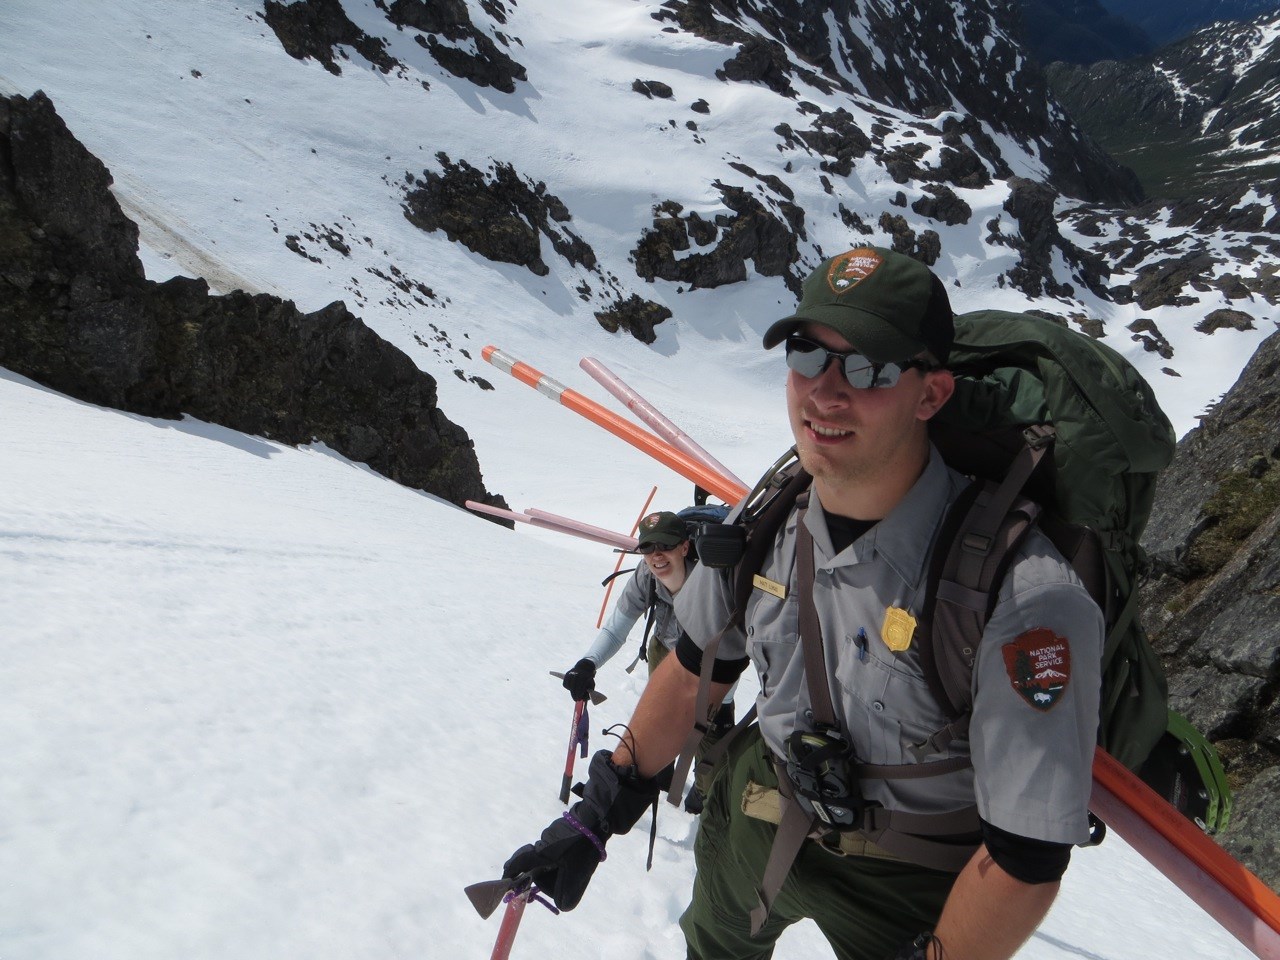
939, 385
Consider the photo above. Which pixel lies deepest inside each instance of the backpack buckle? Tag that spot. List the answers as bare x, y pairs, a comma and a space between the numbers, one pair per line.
1039, 435
976, 543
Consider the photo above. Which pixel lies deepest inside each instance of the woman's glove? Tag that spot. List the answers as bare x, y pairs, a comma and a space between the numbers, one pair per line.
580, 680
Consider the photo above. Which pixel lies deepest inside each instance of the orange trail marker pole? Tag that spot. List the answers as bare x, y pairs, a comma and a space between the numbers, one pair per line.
641, 439
653, 417
618, 566
1245, 907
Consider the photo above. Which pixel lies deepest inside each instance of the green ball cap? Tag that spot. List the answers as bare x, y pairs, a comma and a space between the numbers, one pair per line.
663, 528
889, 306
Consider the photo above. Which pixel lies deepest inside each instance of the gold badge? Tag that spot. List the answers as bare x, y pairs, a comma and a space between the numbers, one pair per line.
768, 586
899, 627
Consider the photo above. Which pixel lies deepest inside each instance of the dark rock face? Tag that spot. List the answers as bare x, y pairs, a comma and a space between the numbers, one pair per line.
502, 218
760, 61
1212, 602
468, 51
943, 204
77, 315
1031, 204
833, 135
316, 28
926, 247
752, 233
635, 315
653, 89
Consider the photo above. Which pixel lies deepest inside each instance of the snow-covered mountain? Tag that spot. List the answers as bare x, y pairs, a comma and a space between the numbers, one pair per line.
1197, 117
920, 126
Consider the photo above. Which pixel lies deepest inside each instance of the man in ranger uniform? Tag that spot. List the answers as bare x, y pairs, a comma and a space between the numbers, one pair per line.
930, 841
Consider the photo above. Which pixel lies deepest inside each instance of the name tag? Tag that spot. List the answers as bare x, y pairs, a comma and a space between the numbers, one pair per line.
769, 586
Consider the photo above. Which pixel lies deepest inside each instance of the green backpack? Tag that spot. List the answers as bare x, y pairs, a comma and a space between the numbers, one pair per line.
1014, 370
1067, 437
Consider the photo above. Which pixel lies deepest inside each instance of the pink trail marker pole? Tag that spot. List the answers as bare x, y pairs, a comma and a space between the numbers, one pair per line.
551, 521
653, 418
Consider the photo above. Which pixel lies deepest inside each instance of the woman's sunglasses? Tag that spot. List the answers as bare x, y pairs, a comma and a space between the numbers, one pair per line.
810, 358
648, 548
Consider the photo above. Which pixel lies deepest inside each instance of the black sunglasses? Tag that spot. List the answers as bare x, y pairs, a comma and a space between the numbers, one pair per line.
810, 358
648, 548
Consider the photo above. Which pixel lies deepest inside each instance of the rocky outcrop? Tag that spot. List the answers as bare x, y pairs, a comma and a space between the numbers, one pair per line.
833, 135
457, 44
77, 315
318, 29
925, 247
941, 203
653, 89
501, 216
752, 233
1032, 206
1212, 601
635, 315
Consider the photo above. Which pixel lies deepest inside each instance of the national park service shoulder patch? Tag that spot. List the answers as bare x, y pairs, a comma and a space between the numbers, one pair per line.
1039, 666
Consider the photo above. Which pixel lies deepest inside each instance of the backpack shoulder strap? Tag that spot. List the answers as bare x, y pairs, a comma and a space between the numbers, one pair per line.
978, 539
762, 530
762, 515
650, 615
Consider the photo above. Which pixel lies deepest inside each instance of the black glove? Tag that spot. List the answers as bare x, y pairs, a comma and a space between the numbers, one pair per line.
564, 858
581, 679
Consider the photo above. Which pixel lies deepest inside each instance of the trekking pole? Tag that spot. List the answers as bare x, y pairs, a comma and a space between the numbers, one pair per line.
650, 414
510, 924
1223, 887
487, 896
580, 529
577, 736
641, 439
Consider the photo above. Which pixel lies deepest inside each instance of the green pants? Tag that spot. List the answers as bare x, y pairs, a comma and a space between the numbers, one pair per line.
866, 908
724, 719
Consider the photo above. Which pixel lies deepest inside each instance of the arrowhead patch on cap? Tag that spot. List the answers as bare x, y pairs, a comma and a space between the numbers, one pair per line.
851, 268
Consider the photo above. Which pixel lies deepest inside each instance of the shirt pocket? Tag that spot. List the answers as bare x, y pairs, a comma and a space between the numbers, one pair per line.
772, 626
889, 708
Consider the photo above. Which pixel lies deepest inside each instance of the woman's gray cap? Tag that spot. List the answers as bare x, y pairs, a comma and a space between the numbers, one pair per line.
889, 306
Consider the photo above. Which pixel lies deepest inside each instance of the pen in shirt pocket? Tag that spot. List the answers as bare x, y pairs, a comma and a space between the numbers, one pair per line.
861, 641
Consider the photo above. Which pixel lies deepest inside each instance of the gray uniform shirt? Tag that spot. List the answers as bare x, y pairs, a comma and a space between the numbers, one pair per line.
631, 606
1032, 756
